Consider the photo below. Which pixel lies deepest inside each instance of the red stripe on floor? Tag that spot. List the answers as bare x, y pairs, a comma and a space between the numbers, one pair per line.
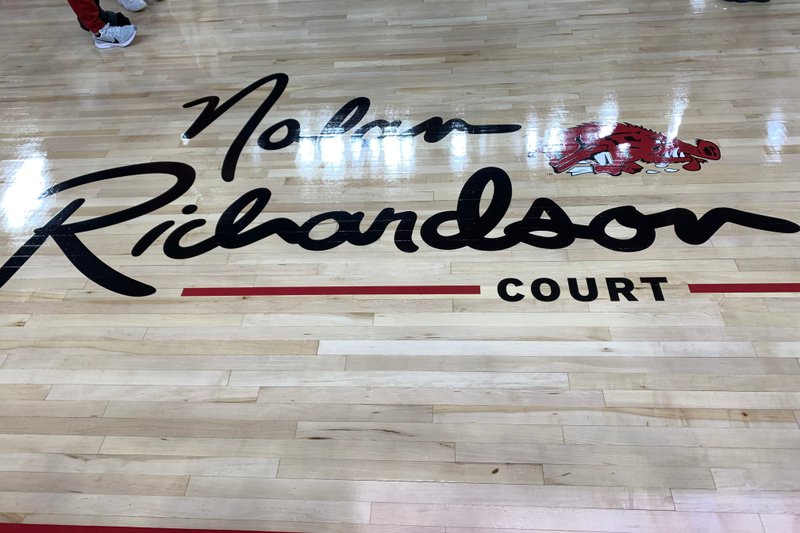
743, 287
36, 528
332, 291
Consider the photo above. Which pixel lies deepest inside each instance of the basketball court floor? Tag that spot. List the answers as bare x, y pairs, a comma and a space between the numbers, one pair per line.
440, 266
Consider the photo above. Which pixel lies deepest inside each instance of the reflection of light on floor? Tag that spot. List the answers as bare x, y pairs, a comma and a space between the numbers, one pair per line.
609, 115
332, 150
458, 144
407, 154
458, 151
624, 151
531, 139
394, 154
305, 158
680, 101
306, 151
355, 150
21, 198
391, 153
374, 149
554, 139
776, 135
699, 6
329, 157
327, 153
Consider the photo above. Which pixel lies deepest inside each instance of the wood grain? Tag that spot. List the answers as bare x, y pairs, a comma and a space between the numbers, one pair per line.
392, 413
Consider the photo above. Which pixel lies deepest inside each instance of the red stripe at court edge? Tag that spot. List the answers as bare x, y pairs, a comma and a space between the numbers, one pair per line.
35, 528
332, 290
743, 287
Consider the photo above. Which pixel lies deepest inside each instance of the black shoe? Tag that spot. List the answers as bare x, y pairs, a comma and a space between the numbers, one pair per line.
109, 17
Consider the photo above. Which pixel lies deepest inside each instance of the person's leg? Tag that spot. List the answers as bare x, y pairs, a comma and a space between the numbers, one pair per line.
88, 13
114, 18
105, 35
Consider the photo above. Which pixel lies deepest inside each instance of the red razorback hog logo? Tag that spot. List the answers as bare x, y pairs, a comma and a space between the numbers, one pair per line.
590, 149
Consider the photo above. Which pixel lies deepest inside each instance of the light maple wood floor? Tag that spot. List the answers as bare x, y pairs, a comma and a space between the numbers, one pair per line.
401, 413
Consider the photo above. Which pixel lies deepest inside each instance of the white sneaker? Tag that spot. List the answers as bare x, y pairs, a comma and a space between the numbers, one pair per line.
115, 36
133, 5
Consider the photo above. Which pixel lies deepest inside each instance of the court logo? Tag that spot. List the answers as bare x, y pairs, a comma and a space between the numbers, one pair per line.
481, 218
594, 148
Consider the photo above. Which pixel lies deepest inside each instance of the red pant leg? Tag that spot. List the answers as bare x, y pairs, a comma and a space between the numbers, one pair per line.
88, 13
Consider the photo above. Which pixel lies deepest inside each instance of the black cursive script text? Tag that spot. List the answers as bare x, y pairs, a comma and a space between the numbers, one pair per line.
237, 227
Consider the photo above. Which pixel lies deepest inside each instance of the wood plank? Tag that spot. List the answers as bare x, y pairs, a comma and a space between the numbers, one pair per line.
428, 396
182, 507
771, 458
429, 432
149, 465
36, 408
111, 377
705, 400
636, 476
777, 349
780, 523
685, 382
208, 447
615, 416
769, 502
453, 331
23, 392
101, 346
410, 470
148, 427
153, 393
710, 334
567, 454
562, 518
469, 380
762, 478
267, 411
703, 437
446, 493
716, 366
132, 319
94, 483
545, 348
54, 444
621, 320
180, 362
